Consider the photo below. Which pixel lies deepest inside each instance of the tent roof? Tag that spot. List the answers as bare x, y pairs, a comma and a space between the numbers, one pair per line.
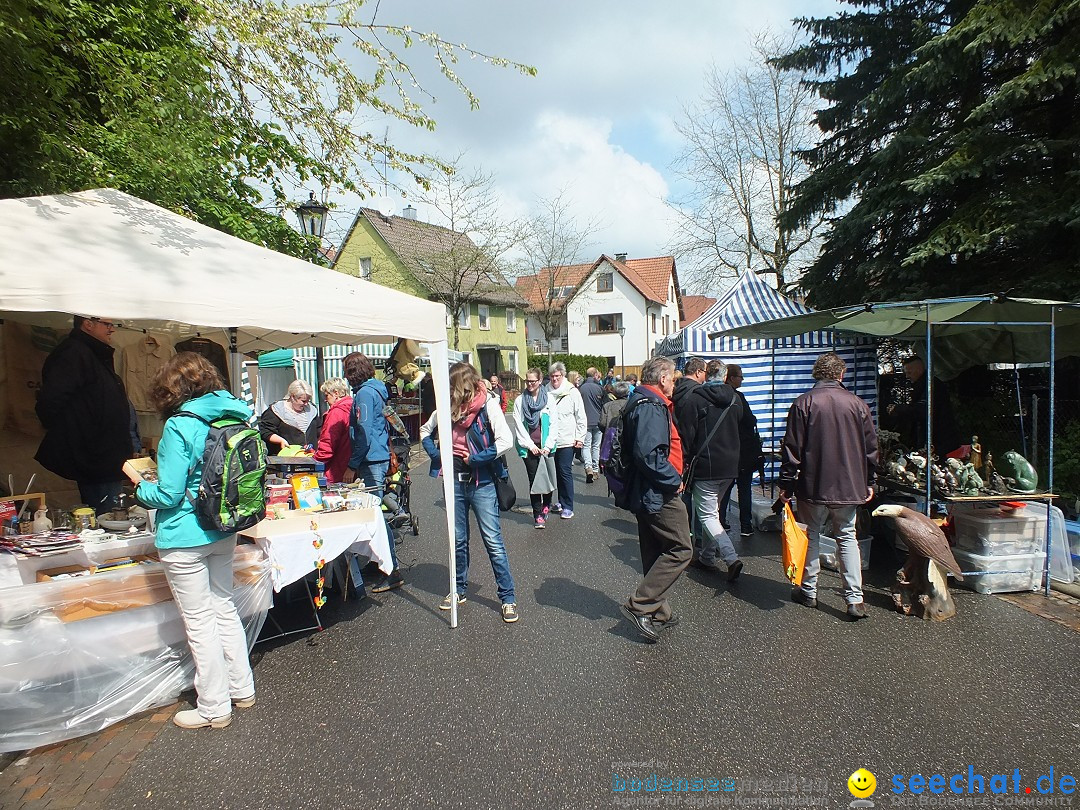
108, 254
967, 331
749, 301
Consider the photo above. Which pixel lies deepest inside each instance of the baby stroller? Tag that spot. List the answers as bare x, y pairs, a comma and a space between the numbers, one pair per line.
397, 493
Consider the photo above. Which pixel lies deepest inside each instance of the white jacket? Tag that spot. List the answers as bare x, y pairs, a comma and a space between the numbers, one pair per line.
569, 424
524, 440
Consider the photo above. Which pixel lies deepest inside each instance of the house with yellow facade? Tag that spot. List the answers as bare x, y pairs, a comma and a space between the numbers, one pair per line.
485, 319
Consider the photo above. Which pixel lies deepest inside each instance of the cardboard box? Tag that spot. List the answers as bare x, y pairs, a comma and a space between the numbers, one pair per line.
298, 521
109, 590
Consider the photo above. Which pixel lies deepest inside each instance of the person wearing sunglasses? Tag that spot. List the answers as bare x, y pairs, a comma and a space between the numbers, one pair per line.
85, 410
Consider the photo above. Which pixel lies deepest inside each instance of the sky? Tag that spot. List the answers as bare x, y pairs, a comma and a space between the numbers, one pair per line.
597, 122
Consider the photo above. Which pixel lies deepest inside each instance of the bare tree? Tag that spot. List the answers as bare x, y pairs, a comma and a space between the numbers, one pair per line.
553, 244
459, 261
743, 138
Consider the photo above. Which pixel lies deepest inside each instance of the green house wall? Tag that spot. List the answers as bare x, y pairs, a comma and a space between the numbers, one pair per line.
389, 271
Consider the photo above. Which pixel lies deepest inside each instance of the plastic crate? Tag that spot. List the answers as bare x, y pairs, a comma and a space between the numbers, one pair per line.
991, 533
827, 552
1007, 573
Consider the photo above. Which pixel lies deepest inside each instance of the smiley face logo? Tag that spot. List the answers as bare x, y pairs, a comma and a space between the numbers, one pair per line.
862, 783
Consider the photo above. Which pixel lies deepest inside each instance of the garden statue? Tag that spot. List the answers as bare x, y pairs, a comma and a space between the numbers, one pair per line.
975, 458
1019, 469
994, 482
921, 585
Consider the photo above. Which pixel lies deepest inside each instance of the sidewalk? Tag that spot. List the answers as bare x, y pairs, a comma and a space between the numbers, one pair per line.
78, 773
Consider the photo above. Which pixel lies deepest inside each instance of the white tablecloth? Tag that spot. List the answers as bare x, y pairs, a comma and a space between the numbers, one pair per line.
294, 555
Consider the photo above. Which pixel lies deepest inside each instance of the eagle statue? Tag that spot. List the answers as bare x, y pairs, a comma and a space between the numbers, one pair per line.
921, 587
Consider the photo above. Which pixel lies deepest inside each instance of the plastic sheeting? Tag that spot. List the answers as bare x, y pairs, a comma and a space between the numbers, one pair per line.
79, 654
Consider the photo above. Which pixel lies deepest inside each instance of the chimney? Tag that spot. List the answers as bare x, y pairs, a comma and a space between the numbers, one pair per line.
620, 257
409, 213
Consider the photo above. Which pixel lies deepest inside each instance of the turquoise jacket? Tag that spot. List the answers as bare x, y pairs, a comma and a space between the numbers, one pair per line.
180, 450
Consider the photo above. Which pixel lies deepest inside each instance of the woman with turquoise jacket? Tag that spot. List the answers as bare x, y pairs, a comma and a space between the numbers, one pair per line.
198, 563
532, 421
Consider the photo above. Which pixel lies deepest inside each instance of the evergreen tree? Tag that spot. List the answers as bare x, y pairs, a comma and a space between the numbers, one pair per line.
950, 151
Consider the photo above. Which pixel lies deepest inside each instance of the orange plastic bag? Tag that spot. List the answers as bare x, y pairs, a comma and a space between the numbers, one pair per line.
793, 538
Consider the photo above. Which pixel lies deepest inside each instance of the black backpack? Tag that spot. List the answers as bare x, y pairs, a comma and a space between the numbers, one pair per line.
614, 458
232, 495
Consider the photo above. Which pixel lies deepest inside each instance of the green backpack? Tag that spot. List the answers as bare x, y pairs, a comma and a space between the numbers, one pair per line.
232, 494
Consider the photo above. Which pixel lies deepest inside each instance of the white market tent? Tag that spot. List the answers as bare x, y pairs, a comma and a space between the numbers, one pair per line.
105, 253
776, 370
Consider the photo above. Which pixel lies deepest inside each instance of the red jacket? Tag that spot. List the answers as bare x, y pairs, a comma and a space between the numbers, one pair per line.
335, 446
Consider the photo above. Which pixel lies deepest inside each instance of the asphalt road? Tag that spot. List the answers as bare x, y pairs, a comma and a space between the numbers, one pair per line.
768, 703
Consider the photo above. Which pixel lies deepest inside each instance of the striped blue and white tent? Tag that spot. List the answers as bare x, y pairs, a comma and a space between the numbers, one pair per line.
775, 371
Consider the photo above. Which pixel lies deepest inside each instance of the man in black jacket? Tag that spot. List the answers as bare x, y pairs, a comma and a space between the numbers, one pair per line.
85, 410
693, 376
654, 485
750, 458
830, 457
711, 440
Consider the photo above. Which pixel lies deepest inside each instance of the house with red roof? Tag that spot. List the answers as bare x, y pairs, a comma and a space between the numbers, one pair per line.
615, 307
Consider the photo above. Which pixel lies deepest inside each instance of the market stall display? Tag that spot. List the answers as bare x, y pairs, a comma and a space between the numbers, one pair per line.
90, 635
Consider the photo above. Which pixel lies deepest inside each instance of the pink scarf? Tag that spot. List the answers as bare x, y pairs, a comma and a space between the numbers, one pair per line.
461, 427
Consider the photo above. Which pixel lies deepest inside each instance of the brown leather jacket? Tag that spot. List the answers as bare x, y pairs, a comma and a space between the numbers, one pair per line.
830, 451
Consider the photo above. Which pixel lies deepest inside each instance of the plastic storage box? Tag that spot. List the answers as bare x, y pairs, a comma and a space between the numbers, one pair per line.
827, 552
1000, 573
991, 533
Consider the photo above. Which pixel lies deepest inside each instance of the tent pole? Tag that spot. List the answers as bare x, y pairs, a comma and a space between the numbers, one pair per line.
929, 409
440, 374
772, 412
1050, 451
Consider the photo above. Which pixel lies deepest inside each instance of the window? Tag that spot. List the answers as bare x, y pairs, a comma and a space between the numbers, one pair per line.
605, 282
671, 293
604, 324
365, 267
483, 316
463, 317
561, 292
667, 322
654, 323
511, 319
512, 360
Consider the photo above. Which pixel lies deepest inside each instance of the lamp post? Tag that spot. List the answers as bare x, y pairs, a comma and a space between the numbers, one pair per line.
312, 216
622, 350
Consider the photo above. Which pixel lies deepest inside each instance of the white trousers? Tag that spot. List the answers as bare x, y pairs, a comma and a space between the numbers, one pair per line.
841, 522
201, 580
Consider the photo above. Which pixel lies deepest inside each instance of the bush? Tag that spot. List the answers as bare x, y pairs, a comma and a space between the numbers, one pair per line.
573, 362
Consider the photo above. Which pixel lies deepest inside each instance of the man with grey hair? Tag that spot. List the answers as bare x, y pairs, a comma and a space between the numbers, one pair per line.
710, 431
654, 485
829, 459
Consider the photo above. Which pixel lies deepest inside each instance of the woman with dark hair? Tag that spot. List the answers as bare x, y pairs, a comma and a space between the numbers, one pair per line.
533, 419
189, 394
480, 438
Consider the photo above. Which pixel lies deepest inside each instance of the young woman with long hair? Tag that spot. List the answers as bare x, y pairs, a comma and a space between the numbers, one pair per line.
480, 438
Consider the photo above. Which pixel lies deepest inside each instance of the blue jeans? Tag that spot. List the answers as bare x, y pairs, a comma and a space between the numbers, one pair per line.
564, 474
744, 486
486, 508
373, 475
590, 448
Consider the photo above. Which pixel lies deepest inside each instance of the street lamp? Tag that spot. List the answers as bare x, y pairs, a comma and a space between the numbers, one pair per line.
622, 350
312, 216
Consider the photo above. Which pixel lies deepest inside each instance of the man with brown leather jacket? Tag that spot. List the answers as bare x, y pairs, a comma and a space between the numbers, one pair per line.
829, 459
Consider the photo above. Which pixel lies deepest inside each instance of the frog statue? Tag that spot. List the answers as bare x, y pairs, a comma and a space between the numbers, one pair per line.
1019, 470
